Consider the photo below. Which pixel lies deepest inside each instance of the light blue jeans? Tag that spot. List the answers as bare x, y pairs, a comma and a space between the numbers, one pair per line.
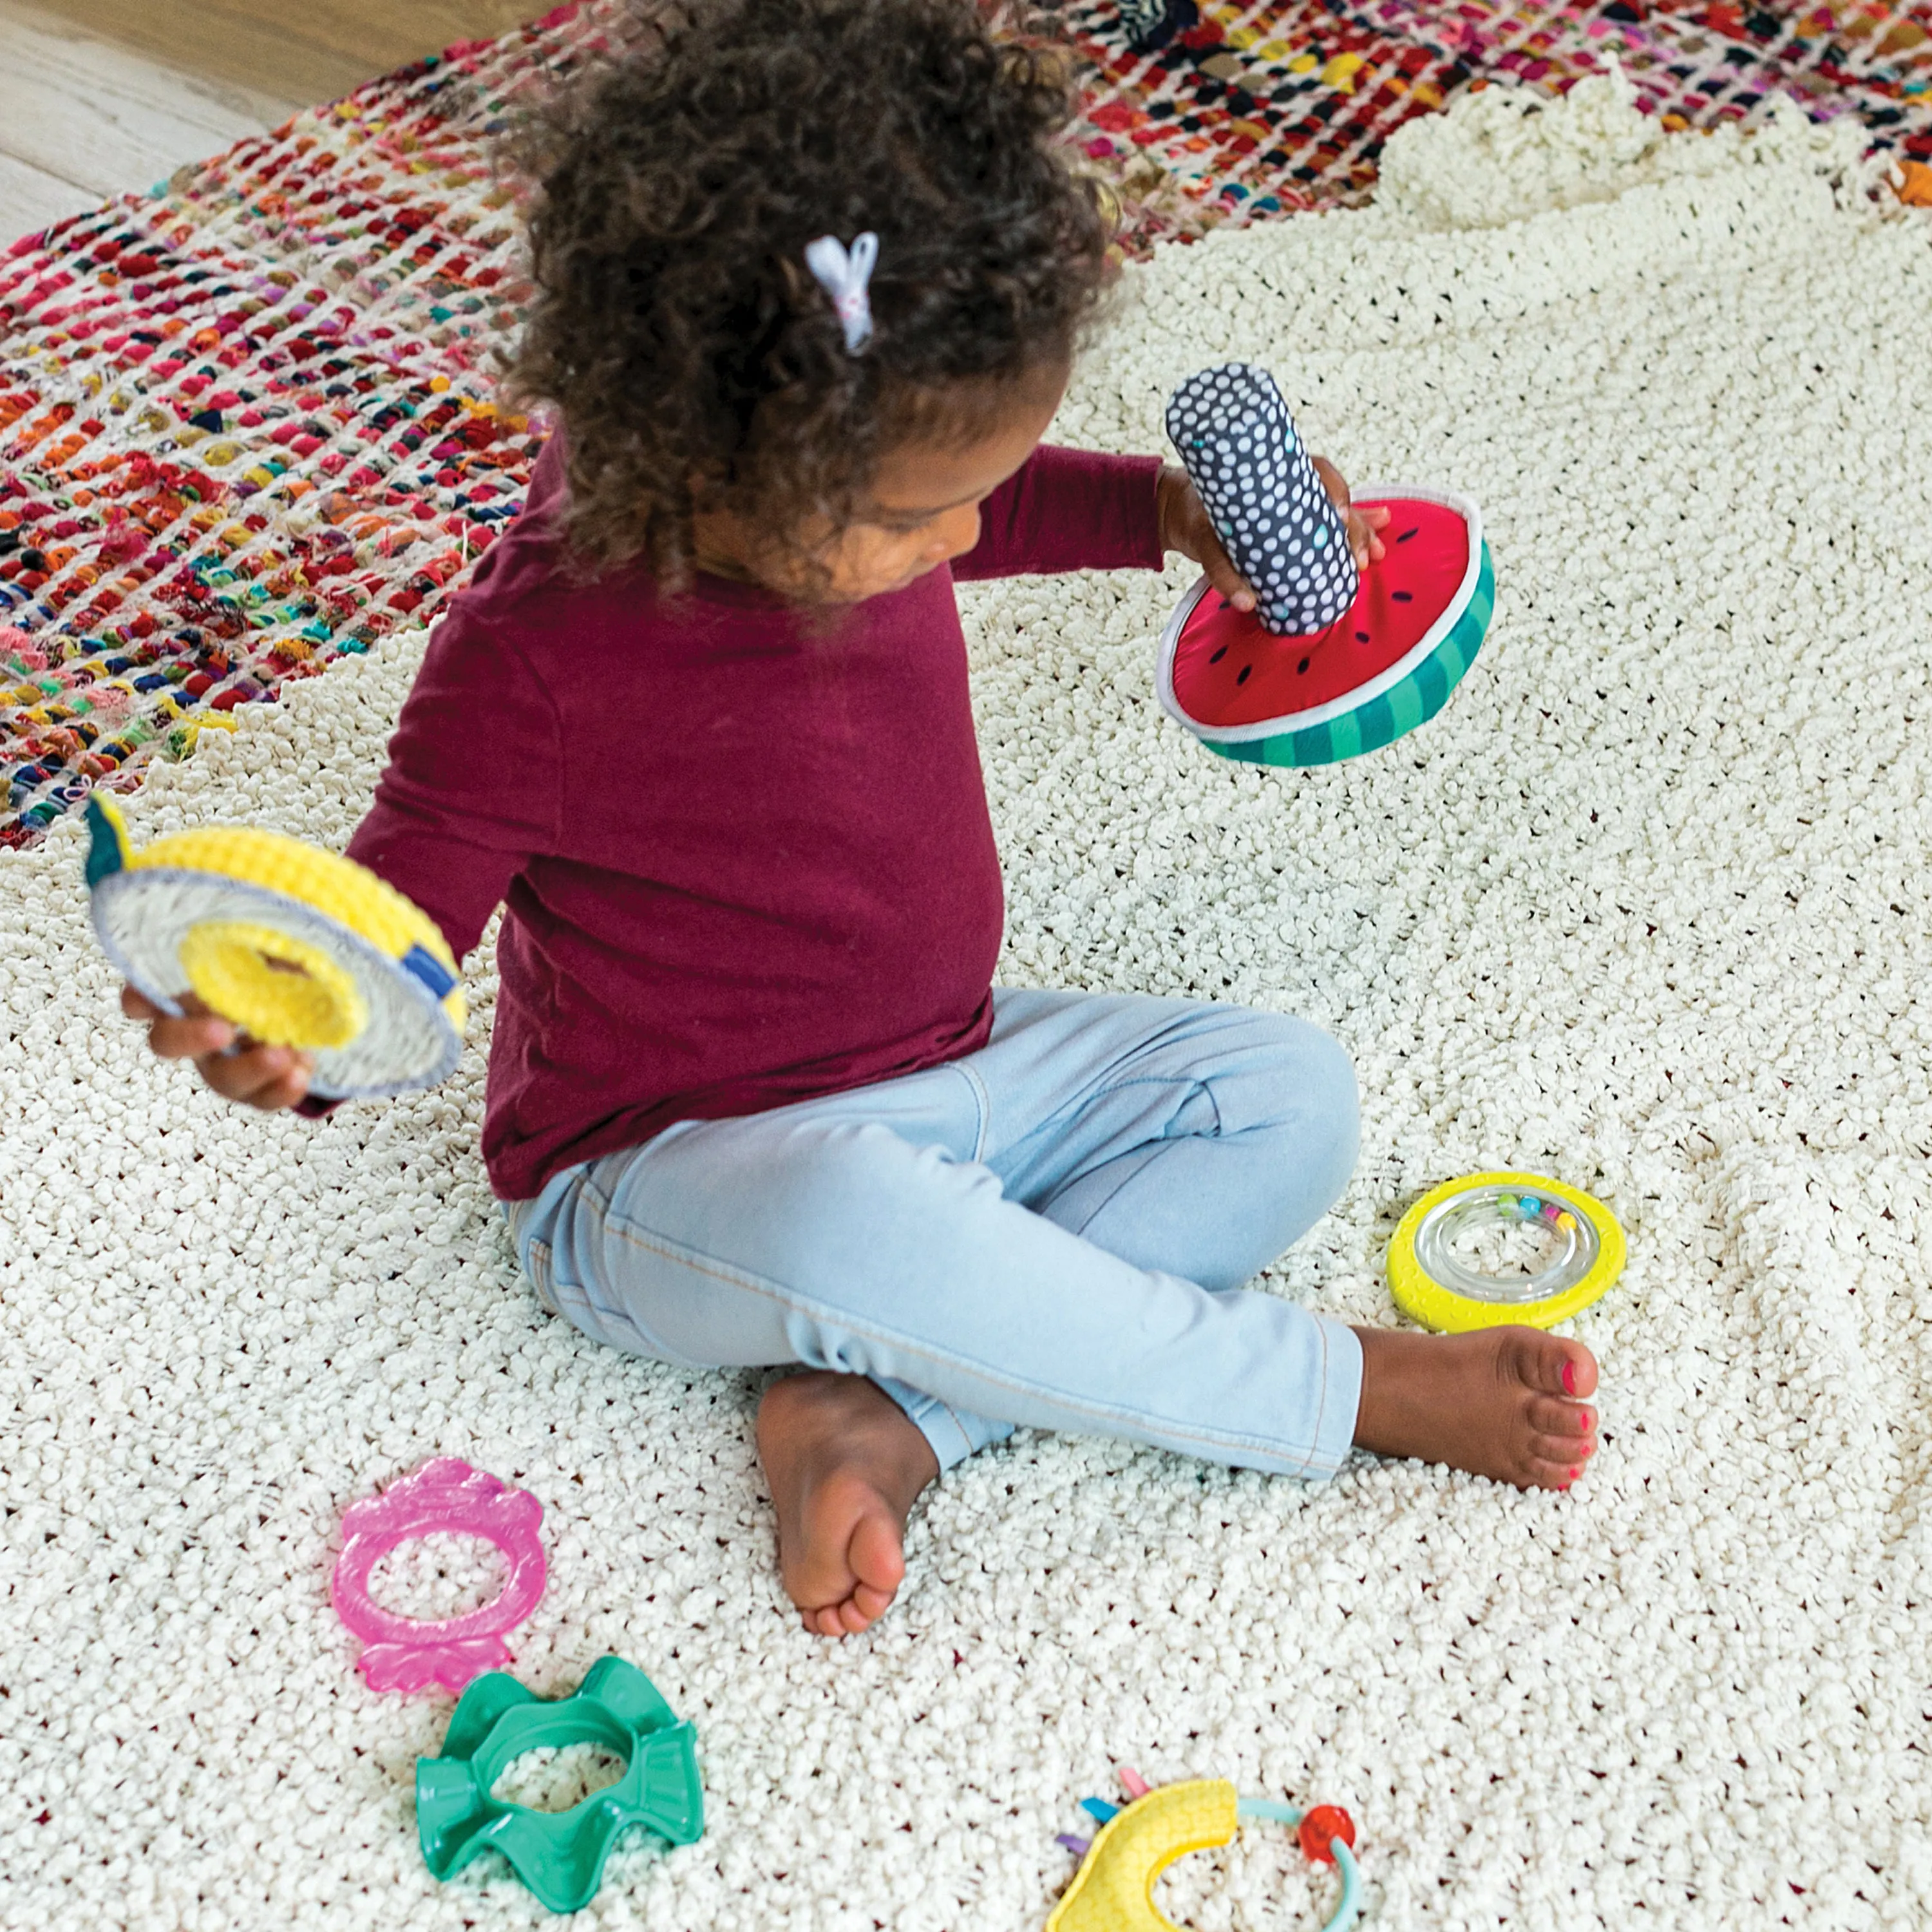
1052, 1231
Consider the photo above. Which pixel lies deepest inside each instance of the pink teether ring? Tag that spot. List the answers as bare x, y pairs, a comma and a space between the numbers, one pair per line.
409, 1653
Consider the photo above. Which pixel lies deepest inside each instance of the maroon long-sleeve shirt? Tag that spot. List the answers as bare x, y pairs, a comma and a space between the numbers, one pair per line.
746, 851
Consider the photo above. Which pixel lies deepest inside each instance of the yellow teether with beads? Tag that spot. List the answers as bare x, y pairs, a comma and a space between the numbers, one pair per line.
1433, 1283
1113, 1890
295, 946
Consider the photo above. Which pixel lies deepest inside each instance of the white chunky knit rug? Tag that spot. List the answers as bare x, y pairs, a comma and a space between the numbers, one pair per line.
1647, 907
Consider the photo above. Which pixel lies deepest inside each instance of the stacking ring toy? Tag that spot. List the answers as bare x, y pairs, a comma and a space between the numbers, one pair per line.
559, 1854
1387, 664
295, 946
1113, 1891
410, 1653
1332, 661
1430, 1284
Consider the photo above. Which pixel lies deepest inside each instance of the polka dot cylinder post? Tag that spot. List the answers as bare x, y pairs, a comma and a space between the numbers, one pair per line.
1234, 433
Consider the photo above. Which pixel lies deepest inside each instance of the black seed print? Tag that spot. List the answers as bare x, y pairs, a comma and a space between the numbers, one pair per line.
1407, 534
1302, 665
1243, 678
1361, 637
1403, 596
1219, 655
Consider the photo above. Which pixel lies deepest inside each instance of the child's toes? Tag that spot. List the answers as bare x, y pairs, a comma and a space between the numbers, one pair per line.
1555, 1365
1571, 1422
1555, 1437
1553, 1472
871, 1602
876, 1558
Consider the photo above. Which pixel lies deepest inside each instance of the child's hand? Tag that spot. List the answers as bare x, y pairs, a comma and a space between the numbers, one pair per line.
1363, 524
1185, 526
268, 1077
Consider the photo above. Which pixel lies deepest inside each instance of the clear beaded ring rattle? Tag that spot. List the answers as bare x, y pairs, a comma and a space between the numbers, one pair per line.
1431, 1281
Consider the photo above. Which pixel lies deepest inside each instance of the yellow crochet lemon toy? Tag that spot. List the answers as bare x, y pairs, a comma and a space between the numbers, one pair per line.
295, 946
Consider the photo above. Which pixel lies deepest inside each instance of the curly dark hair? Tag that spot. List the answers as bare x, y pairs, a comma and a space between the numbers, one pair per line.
676, 329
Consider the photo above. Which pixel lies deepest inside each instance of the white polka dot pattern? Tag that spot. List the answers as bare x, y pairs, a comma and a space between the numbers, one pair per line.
1285, 536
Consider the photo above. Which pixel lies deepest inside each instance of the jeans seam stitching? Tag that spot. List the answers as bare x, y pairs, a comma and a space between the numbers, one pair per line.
710, 1265
952, 1416
982, 1109
1113, 1193
1153, 1149
540, 1283
1321, 1399
1108, 1089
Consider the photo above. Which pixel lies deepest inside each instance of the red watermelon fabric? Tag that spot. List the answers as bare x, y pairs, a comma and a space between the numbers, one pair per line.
1228, 671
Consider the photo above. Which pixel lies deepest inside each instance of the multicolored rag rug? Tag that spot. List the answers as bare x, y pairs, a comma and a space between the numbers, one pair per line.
1213, 113
247, 422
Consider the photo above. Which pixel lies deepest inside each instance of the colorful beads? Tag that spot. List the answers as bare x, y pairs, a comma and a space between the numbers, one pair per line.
1534, 1207
1319, 1829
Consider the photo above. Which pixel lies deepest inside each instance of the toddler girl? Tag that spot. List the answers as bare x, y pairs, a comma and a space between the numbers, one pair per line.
811, 280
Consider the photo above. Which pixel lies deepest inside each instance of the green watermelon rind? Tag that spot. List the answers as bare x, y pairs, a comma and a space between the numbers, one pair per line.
1412, 700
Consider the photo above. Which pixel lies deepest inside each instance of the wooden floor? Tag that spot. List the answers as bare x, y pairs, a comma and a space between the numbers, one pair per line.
300, 51
103, 95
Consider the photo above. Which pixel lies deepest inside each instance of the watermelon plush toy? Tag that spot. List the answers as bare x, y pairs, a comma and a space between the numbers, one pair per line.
1385, 665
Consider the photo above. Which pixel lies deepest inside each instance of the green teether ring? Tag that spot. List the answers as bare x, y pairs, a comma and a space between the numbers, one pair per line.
559, 1854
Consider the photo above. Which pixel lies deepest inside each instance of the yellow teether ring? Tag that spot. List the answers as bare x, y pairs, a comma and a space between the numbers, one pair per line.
1430, 1284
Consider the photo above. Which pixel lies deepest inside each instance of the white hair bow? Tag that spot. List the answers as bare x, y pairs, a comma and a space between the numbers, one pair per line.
844, 278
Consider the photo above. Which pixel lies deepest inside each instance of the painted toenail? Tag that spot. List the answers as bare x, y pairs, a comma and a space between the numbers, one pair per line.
1569, 1377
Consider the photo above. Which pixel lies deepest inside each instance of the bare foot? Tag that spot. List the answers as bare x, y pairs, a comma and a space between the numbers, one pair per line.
1502, 1402
846, 1465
